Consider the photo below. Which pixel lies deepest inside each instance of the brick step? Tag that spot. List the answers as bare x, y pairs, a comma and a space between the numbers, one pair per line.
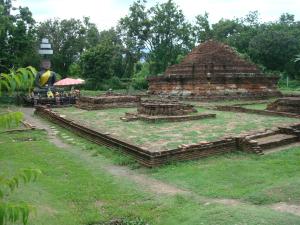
261, 135
276, 140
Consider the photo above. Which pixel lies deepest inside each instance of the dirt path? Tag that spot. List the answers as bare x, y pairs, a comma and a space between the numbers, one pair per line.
150, 184
38, 123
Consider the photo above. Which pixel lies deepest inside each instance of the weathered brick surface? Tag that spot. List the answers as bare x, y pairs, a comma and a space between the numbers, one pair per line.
290, 105
107, 101
214, 70
256, 111
166, 108
183, 152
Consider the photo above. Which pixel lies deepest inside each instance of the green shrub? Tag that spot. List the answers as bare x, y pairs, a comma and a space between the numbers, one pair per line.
113, 83
74, 70
139, 79
11, 119
20, 80
292, 84
12, 212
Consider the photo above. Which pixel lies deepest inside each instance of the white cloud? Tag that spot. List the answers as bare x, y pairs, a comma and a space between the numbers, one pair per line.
107, 13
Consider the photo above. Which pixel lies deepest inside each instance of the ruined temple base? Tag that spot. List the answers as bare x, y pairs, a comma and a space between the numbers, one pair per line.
225, 87
214, 71
216, 97
290, 105
133, 117
165, 110
107, 101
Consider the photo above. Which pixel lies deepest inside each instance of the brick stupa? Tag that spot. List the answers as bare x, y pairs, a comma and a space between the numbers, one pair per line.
214, 71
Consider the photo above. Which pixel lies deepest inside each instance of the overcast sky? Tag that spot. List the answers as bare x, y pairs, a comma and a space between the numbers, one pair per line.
107, 13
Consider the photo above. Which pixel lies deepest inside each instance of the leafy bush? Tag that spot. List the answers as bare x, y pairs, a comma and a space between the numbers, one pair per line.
12, 119
12, 212
102, 64
139, 79
113, 83
74, 70
19, 80
292, 84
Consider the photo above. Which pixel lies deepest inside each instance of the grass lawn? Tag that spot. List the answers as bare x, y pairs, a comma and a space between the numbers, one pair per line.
295, 91
261, 106
168, 135
258, 179
73, 188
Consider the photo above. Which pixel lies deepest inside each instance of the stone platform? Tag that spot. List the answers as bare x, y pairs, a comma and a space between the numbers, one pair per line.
164, 107
162, 110
290, 105
257, 142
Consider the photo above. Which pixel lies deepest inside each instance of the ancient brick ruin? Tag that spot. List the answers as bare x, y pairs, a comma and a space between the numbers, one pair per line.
107, 101
158, 110
290, 105
255, 142
214, 71
167, 108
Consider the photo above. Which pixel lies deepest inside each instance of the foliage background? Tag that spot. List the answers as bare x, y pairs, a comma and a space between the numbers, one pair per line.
156, 36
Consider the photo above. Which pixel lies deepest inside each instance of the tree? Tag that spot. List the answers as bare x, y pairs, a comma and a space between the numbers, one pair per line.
276, 44
104, 61
13, 212
20, 80
17, 37
170, 36
69, 38
224, 29
157, 35
248, 29
92, 34
203, 30
287, 19
297, 58
134, 30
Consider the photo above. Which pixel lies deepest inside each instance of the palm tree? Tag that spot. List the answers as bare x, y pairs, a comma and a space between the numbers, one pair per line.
297, 59
17, 80
13, 212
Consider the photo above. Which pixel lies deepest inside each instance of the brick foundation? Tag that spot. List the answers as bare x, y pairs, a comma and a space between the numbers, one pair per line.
107, 101
289, 105
166, 108
183, 152
162, 110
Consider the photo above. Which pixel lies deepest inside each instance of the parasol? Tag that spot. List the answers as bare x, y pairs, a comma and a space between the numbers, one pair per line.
69, 82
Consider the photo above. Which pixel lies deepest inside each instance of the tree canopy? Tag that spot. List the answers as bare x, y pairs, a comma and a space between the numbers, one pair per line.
157, 35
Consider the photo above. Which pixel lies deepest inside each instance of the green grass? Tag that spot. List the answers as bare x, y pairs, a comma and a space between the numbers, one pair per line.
258, 179
73, 189
168, 135
261, 106
290, 91
115, 156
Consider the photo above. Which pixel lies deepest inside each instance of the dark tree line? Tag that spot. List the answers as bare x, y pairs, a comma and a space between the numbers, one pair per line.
143, 43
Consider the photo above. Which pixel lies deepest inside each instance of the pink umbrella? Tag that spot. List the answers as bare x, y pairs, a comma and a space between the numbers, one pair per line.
69, 82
